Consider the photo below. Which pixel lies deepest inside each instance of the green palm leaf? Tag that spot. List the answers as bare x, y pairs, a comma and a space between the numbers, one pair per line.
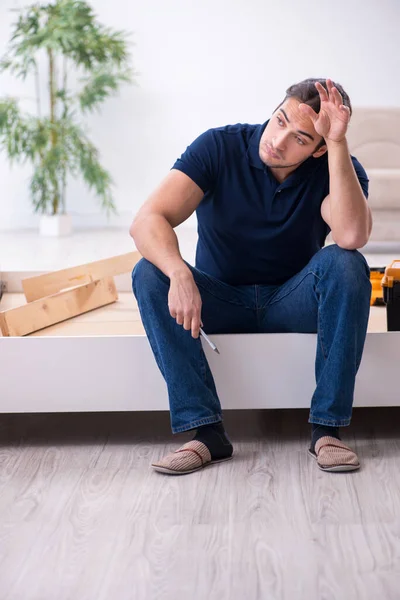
55, 144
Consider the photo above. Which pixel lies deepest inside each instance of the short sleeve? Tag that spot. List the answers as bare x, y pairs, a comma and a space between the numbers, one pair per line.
200, 160
362, 175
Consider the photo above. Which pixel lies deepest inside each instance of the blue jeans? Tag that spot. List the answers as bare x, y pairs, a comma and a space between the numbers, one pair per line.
330, 297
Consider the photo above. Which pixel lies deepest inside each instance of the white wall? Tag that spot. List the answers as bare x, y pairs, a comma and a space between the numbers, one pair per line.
209, 63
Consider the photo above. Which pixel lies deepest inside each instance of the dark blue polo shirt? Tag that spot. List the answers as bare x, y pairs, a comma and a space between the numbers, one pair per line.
253, 229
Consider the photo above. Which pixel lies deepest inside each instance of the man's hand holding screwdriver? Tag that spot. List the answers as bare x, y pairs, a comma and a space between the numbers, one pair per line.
184, 301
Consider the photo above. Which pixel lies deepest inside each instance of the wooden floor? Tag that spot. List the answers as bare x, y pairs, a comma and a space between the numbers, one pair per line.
83, 517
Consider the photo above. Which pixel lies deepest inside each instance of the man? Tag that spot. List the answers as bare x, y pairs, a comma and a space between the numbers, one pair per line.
266, 197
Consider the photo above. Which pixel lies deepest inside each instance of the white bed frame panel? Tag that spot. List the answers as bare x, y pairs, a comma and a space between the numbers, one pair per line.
119, 373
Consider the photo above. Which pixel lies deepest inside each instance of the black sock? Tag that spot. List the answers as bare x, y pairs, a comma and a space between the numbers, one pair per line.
214, 437
319, 431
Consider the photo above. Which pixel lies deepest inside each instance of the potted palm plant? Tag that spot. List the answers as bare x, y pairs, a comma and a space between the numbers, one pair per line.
85, 62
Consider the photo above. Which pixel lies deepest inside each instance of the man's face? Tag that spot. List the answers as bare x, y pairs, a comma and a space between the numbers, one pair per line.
289, 138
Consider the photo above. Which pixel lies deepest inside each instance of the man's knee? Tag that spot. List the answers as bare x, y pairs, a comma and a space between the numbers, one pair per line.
349, 266
146, 276
347, 258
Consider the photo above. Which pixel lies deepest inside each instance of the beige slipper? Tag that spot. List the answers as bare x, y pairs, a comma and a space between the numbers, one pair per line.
333, 455
191, 457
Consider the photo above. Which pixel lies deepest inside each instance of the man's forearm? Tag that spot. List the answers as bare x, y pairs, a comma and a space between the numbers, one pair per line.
350, 214
156, 240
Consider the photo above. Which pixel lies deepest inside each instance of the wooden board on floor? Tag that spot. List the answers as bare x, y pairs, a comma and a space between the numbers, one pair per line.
58, 307
50, 283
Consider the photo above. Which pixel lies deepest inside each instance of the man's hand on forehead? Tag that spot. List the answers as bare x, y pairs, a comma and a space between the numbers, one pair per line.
333, 118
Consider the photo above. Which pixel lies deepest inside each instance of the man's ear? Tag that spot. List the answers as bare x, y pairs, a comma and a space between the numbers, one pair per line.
320, 151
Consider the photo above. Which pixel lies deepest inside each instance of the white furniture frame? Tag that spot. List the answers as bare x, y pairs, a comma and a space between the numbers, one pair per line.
118, 372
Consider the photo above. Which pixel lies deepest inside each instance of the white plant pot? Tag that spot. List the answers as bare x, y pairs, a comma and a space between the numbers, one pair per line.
55, 225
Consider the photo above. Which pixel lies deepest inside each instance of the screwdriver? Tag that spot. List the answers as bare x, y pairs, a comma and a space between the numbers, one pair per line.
213, 346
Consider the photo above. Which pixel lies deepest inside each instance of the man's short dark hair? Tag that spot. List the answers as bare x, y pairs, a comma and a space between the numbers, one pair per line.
307, 93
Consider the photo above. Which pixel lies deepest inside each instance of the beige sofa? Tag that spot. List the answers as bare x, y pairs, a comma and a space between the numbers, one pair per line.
374, 138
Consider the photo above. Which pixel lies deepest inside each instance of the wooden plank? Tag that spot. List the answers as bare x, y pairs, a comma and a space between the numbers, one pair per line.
41, 286
57, 307
84, 329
